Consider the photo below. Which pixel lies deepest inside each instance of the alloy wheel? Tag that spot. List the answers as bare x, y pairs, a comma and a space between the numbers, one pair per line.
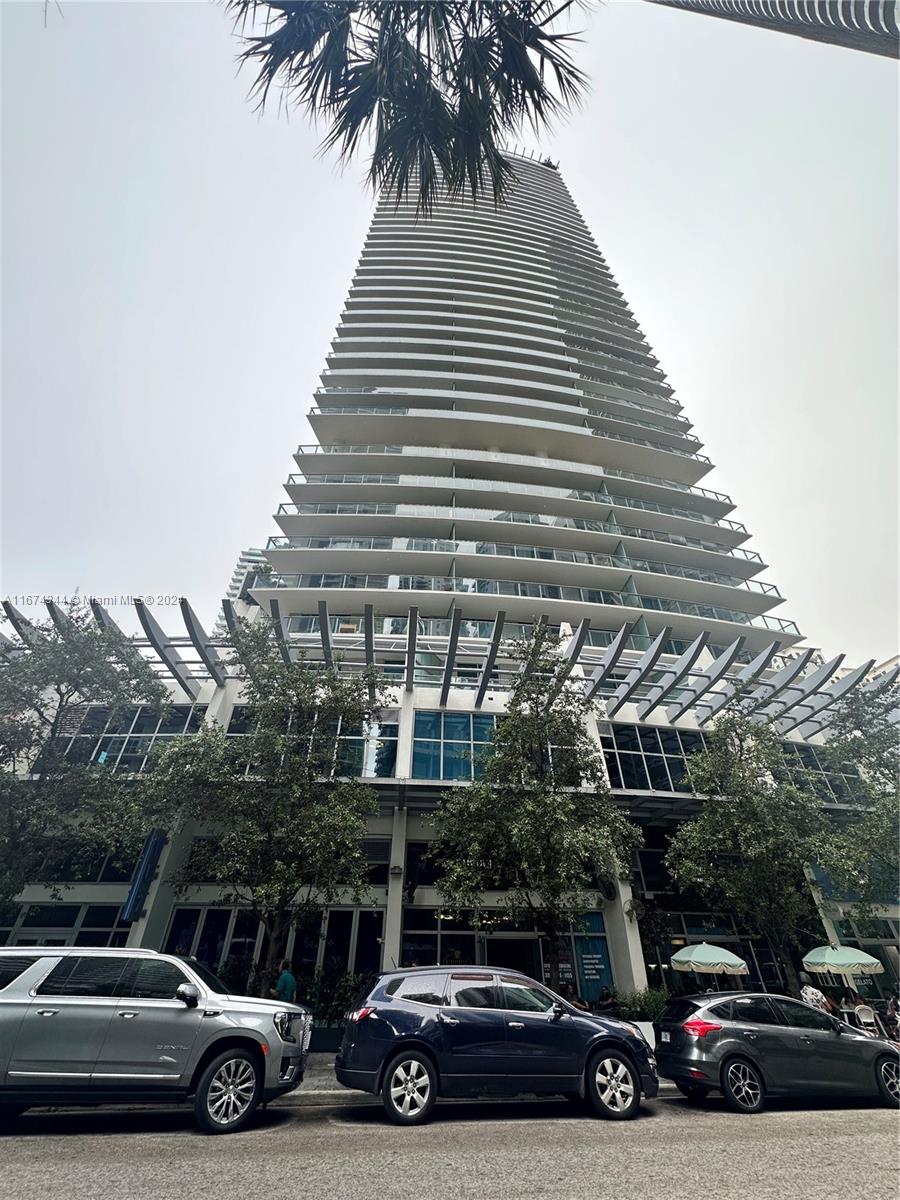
615, 1085
410, 1087
890, 1074
231, 1091
744, 1085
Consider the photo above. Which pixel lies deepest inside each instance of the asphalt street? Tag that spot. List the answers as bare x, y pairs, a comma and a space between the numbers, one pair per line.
489, 1150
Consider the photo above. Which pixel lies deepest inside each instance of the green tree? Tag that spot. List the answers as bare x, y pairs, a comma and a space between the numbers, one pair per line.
433, 88
282, 819
861, 850
540, 822
54, 808
745, 851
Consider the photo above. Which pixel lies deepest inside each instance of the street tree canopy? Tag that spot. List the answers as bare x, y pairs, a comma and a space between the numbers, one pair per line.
861, 851
435, 89
745, 851
282, 823
540, 821
55, 809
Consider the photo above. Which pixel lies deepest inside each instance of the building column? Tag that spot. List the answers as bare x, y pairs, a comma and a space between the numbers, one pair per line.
624, 941
149, 930
393, 916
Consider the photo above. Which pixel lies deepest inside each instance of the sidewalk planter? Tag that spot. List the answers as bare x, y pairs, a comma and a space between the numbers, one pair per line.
326, 1039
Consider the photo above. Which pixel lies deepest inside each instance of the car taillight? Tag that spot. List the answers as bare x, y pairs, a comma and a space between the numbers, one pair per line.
360, 1014
700, 1028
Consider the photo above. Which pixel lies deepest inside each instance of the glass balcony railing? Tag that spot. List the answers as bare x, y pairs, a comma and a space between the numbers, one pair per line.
515, 587
528, 460
497, 486
617, 562
448, 513
378, 411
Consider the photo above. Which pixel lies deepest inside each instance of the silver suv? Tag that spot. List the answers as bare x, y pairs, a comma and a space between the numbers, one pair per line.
80, 1026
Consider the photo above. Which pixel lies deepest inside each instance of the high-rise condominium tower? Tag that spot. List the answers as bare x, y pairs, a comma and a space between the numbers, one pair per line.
495, 433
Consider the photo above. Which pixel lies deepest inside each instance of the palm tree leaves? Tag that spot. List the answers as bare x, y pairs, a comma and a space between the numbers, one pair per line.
434, 87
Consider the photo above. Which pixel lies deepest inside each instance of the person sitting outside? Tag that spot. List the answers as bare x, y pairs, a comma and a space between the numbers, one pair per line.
812, 996
569, 994
606, 1004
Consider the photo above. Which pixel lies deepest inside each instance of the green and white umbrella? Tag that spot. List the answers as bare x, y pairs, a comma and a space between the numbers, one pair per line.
841, 960
709, 960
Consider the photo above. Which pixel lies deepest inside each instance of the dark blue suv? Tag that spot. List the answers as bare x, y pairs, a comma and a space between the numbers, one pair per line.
443, 1031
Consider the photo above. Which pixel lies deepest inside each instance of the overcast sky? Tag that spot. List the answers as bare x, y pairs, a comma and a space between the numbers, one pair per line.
174, 266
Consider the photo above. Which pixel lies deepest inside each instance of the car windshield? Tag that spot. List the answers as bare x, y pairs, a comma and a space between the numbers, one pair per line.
213, 982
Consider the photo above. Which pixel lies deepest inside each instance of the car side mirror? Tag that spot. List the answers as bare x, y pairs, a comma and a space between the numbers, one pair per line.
188, 995
556, 1012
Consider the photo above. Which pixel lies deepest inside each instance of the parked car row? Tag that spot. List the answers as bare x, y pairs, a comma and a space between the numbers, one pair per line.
88, 1027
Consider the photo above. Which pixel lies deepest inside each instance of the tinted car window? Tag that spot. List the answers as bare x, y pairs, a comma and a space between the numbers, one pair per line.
721, 1011
76, 976
424, 989
150, 979
472, 991
802, 1017
524, 997
11, 968
678, 1010
755, 1010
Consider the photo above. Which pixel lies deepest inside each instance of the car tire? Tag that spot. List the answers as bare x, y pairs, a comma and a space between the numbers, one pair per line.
613, 1085
228, 1092
409, 1088
742, 1086
887, 1075
696, 1093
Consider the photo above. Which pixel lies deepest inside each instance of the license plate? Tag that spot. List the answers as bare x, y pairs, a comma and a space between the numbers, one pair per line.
664, 1037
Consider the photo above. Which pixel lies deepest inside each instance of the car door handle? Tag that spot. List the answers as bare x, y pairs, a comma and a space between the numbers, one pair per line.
128, 1013
47, 1012
807, 1039
751, 1037
517, 1024
447, 1020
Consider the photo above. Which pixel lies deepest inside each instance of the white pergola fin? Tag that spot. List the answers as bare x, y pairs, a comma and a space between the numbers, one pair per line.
673, 676
607, 663
805, 709
280, 637
770, 689
704, 682
412, 635
638, 674
30, 635
819, 725
798, 692
708, 708
325, 634
490, 658
169, 656
62, 622
450, 664
202, 644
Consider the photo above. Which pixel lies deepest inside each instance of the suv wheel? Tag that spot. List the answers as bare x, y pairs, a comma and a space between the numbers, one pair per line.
613, 1085
742, 1086
888, 1075
228, 1092
409, 1089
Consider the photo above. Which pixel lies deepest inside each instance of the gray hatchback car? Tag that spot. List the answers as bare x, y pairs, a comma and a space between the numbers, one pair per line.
750, 1044
80, 1026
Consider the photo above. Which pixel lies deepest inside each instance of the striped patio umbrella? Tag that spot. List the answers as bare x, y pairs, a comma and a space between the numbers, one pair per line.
709, 960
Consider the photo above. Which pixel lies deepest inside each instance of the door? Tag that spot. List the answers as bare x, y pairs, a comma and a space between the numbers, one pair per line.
473, 1032
65, 1024
151, 1035
539, 1044
756, 1029
821, 1058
